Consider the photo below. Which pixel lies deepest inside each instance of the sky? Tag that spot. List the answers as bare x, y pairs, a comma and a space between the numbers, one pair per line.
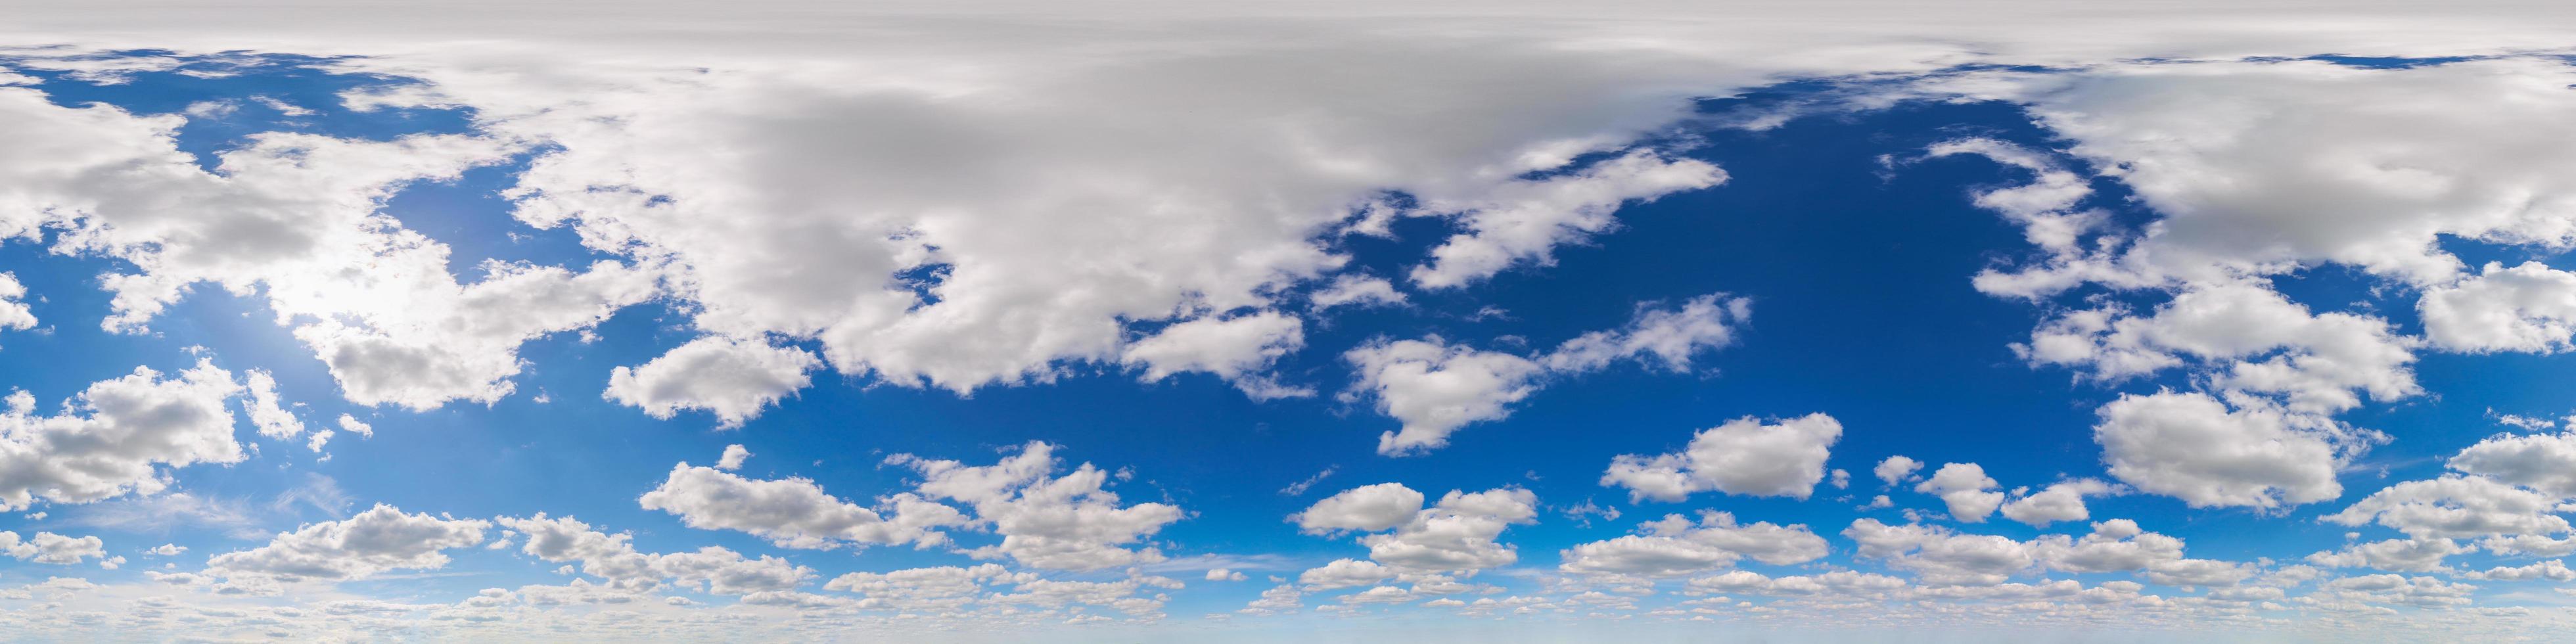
1293, 322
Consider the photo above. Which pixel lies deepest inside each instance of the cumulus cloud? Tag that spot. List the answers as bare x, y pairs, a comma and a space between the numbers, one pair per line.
2063, 501
1970, 494
2249, 337
1435, 388
733, 378
50, 548
2453, 507
2402, 555
2528, 307
1674, 546
794, 512
733, 457
1940, 556
1523, 220
267, 412
627, 572
1068, 522
14, 313
114, 435
1896, 469
1747, 456
2193, 447
1237, 349
380, 539
2544, 462
1368, 508
1455, 535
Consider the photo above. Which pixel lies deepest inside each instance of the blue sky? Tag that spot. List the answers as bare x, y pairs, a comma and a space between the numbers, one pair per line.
2328, 300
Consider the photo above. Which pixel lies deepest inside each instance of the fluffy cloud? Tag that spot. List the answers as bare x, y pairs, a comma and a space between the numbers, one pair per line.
733, 378
1344, 573
267, 412
2251, 338
1896, 469
113, 434
1966, 489
1065, 522
2529, 307
1368, 508
794, 512
1434, 387
380, 539
614, 559
2454, 507
1455, 535
733, 457
2192, 447
50, 548
2403, 555
14, 313
2544, 462
1743, 456
2262, 167
1941, 556
1522, 220
2552, 570
1840, 582
2062, 501
1673, 546
1237, 349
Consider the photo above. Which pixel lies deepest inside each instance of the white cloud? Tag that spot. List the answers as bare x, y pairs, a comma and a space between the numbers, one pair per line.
370, 542
50, 548
2529, 307
794, 512
1669, 336
2402, 555
733, 457
1344, 573
1455, 535
1965, 487
1221, 574
1435, 388
1239, 349
1068, 523
1359, 290
14, 313
1940, 556
2265, 166
2552, 570
1743, 456
267, 412
2063, 501
113, 435
2250, 338
1524, 220
2193, 447
1840, 582
1673, 546
2454, 507
352, 425
1368, 508
733, 378
1896, 469
613, 558
2545, 462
